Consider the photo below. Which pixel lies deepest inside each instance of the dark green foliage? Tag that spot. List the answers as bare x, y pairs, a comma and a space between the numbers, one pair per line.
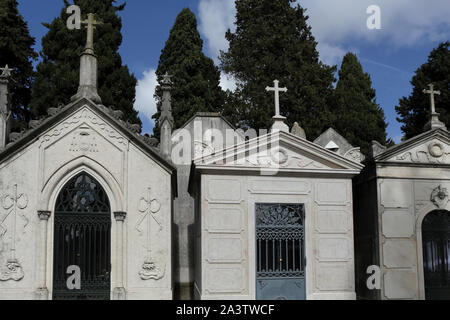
273, 41
16, 51
414, 111
359, 118
195, 77
57, 76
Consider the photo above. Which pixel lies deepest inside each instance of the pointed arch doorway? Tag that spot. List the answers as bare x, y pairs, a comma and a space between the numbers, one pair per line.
82, 241
436, 255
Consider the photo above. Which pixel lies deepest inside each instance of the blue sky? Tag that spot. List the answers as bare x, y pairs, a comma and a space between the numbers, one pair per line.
410, 29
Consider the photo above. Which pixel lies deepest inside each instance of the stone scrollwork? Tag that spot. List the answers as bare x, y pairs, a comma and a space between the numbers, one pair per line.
13, 203
440, 197
152, 268
434, 152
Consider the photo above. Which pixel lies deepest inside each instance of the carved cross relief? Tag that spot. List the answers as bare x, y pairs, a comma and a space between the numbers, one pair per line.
152, 269
13, 203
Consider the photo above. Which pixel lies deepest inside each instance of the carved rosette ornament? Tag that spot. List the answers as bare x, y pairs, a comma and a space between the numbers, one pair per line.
152, 269
440, 197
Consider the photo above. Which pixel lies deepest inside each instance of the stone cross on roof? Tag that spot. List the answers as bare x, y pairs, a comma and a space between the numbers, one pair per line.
166, 80
277, 91
431, 92
6, 71
88, 66
90, 26
435, 123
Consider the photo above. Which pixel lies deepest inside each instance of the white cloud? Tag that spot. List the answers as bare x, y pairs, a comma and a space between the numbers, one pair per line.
336, 24
145, 102
403, 22
215, 18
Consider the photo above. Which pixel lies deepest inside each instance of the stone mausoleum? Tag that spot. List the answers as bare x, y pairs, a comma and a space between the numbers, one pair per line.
91, 209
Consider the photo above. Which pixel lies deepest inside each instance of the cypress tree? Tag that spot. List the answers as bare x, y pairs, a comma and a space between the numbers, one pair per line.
414, 111
57, 76
274, 41
195, 77
359, 118
16, 50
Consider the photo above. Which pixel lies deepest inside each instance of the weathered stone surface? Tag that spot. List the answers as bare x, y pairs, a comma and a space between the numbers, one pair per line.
400, 284
398, 224
399, 254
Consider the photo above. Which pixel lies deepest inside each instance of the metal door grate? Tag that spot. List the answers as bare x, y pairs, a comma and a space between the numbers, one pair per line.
280, 253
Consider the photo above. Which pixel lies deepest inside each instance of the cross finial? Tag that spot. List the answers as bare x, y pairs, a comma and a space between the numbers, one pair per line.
6, 71
90, 26
166, 80
431, 92
277, 91
435, 123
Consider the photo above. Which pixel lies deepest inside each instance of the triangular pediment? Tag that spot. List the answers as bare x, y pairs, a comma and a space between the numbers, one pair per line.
279, 151
83, 113
432, 147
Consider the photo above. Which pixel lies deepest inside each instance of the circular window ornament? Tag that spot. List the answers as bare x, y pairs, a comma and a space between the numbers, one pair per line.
436, 149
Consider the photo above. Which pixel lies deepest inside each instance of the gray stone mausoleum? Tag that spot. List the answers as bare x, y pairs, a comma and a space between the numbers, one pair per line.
91, 209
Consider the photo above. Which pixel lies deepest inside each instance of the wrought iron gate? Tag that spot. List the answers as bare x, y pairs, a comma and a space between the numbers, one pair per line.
436, 255
82, 238
280, 246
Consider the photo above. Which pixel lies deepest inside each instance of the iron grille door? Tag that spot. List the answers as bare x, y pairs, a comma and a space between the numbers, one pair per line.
82, 238
436, 255
280, 245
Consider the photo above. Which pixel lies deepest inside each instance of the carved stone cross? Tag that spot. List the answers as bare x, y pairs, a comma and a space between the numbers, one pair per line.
167, 79
277, 91
6, 71
431, 92
90, 25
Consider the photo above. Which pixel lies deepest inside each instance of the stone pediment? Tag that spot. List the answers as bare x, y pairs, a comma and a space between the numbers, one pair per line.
104, 121
432, 147
279, 151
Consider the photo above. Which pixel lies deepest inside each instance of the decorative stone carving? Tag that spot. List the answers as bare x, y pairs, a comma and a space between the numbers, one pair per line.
153, 142
298, 131
376, 149
44, 215
152, 269
120, 216
355, 155
440, 197
90, 117
434, 152
12, 271
84, 142
13, 203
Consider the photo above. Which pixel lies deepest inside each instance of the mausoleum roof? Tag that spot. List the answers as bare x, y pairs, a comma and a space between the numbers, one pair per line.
18, 141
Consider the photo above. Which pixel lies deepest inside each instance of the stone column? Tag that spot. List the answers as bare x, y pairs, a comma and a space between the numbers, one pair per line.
119, 292
42, 291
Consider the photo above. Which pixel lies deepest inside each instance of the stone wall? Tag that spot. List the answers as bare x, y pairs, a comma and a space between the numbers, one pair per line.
403, 205
227, 251
134, 182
